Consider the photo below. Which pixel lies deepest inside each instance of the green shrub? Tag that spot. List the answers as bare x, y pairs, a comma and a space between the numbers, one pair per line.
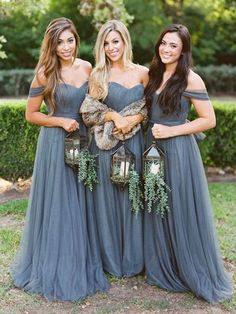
219, 147
15, 82
18, 140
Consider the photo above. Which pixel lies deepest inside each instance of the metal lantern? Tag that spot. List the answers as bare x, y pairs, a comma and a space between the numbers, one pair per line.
122, 161
153, 160
74, 143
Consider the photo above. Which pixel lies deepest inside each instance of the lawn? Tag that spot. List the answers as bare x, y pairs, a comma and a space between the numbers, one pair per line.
131, 295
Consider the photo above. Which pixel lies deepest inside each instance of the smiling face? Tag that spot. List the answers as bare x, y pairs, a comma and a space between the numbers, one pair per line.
170, 49
66, 46
114, 46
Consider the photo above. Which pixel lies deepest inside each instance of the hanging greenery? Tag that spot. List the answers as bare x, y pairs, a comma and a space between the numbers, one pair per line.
87, 169
135, 192
156, 192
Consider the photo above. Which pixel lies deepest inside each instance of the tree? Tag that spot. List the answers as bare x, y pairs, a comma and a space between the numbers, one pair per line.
104, 10
2, 53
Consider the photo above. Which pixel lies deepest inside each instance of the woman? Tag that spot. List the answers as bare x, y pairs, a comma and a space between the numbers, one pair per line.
181, 251
58, 257
116, 84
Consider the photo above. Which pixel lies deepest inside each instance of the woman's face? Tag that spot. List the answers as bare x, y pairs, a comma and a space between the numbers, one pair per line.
66, 46
170, 48
114, 46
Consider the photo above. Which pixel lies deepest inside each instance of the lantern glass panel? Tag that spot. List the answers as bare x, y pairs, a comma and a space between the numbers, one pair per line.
74, 143
121, 162
153, 159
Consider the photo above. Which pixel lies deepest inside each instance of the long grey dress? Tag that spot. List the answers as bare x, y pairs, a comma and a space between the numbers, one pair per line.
120, 231
58, 255
181, 250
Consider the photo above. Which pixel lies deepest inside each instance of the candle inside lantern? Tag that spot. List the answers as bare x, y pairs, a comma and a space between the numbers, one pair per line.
155, 168
124, 168
76, 152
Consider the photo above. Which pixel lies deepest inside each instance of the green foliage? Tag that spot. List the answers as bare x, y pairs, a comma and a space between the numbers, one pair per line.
87, 171
2, 53
135, 193
18, 142
104, 10
16, 208
211, 23
219, 147
218, 79
15, 82
156, 192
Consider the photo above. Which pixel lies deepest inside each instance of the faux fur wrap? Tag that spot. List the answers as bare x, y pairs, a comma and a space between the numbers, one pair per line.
93, 114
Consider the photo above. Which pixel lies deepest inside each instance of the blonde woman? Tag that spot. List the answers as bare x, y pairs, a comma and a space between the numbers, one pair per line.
58, 257
115, 83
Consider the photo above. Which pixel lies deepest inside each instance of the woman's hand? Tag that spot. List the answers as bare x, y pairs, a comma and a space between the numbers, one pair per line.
162, 131
69, 125
122, 125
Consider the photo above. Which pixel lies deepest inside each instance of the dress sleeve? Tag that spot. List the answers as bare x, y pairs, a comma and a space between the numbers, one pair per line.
197, 94
36, 91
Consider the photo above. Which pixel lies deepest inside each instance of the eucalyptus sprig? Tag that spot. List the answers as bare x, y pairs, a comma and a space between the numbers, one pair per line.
135, 192
87, 170
155, 193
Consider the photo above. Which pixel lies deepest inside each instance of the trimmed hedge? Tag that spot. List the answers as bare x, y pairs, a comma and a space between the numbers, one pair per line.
219, 147
218, 79
18, 140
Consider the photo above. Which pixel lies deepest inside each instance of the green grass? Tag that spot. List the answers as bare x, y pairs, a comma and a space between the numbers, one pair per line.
16, 208
223, 196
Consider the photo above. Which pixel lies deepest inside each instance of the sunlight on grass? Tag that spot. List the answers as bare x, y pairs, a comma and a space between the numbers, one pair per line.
16, 207
223, 196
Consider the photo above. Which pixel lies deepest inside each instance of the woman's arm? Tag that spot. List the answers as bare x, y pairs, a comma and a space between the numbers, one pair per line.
206, 115
33, 114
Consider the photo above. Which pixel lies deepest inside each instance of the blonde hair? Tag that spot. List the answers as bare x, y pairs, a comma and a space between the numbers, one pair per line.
98, 82
49, 62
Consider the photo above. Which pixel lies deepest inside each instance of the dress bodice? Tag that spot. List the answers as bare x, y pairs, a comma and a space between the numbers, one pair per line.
68, 100
120, 96
180, 115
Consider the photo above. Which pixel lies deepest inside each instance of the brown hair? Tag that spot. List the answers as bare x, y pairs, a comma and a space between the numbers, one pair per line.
169, 98
49, 62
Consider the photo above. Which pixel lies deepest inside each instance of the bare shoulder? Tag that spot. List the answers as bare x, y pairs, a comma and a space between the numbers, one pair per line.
39, 79
85, 65
143, 73
142, 69
195, 81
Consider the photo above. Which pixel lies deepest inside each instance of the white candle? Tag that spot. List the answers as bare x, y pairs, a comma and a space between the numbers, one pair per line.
155, 168
124, 168
76, 152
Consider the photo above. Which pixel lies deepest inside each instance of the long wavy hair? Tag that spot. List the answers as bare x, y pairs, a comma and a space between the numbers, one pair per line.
98, 82
169, 98
49, 62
